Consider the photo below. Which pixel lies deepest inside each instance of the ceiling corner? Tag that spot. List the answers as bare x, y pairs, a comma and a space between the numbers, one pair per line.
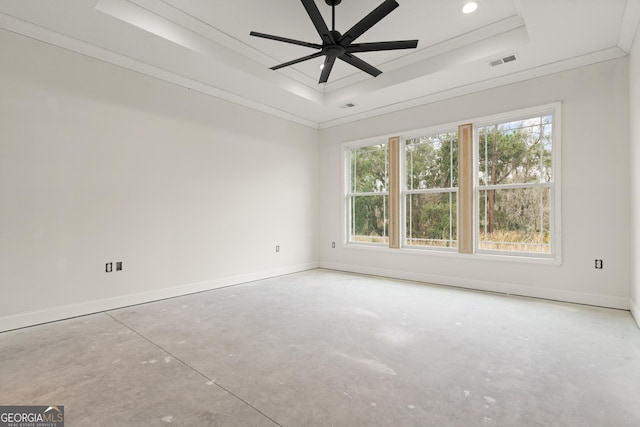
630, 24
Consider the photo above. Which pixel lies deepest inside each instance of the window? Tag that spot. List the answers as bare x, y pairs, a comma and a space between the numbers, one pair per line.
515, 183
486, 186
430, 190
368, 196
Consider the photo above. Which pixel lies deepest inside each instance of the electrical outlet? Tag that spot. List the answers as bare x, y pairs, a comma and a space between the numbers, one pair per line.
599, 264
109, 267
333, 245
119, 266
277, 248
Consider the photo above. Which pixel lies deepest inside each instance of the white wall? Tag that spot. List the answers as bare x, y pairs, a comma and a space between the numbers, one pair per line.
634, 120
99, 164
595, 191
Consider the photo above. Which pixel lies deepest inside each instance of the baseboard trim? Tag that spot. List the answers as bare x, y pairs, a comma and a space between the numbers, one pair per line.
490, 286
635, 311
22, 320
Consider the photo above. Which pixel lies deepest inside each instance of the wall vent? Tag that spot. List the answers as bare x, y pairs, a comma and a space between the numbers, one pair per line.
503, 60
348, 105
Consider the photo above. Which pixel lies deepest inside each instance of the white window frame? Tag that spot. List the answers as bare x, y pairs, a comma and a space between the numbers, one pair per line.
346, 155
555, 214
404, 191
554, 110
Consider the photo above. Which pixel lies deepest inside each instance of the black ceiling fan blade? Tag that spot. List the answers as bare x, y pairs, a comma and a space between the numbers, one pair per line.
286, 40
318, 21
362, 65
368, 21
295, 61
376, 46
326, 69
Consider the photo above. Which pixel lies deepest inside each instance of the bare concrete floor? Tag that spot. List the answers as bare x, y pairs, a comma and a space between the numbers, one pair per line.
323, 348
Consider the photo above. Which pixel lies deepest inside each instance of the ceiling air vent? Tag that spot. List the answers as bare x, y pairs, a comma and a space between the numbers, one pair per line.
503, 60
348, 105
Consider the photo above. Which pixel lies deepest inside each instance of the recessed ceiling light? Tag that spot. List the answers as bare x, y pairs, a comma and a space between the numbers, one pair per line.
470, 7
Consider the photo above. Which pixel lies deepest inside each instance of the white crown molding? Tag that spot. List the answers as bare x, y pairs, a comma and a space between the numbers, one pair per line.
485, 48
200, 40
544, 70
182, 18
36, 32
509, 26
178, 26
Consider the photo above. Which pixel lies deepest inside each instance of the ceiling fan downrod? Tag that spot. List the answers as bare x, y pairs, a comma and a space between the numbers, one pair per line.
333, 4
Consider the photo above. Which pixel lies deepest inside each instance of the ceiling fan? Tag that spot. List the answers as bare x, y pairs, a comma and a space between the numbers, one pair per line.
340, 46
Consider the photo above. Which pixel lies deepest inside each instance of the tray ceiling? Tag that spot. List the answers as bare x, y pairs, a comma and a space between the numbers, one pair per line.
205, 45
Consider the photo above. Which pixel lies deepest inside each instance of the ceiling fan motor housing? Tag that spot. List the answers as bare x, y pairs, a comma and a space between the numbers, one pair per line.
333, 50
